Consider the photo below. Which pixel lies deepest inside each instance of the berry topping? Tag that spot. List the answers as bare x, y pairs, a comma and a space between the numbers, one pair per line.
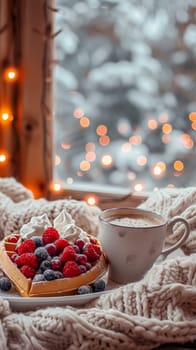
60, 244
58, 274
91, 253
83, 268
14, 257
49, 275
41, 253
84, 290
51, 249
97, 249
81, 259
38, 277
38, 241
12, 239
98, 285
88, 266
76, 248
93, 240
28, 259
80, 243
71, 269
28, 271
68, 254
45, 265
50, 235
56, 263
27, 246
5, 284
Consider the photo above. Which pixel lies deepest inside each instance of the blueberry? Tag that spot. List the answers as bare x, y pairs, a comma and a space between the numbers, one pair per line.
38, 277
5, 284
86, 289
45, 265
58, 274
41, 253
49, 275
98, 285
38, 241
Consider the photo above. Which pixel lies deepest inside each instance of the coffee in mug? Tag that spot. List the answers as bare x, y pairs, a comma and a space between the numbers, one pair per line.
133, 239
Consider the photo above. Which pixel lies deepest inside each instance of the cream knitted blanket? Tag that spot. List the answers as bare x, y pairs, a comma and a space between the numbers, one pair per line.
159, 309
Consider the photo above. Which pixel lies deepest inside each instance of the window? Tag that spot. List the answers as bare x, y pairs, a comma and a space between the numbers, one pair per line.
118, 86
125, 111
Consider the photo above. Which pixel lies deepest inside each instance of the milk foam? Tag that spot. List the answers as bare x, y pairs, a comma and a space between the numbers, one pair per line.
140, 221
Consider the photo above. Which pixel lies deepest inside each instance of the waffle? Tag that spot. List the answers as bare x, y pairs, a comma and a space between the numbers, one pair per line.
64, 286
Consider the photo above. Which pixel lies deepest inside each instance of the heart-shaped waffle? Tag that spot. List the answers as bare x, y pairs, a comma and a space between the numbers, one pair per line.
29, 287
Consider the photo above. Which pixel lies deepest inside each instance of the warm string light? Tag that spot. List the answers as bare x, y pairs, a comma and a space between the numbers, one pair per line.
56, 186
91, 200
3, 157
6, 117
10, 75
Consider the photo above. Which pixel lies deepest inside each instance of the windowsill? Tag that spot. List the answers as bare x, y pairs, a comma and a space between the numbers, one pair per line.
105, 196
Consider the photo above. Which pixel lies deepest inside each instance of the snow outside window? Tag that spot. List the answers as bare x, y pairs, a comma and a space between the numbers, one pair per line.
125, 93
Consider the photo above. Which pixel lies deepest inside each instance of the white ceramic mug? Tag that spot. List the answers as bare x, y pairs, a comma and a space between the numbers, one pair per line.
133, 239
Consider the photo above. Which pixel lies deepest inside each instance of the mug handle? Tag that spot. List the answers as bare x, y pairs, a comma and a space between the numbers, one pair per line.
181, 240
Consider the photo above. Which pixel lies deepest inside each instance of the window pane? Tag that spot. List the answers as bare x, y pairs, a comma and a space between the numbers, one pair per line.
125, 93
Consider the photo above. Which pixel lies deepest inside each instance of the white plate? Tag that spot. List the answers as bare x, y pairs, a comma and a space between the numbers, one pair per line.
19, 303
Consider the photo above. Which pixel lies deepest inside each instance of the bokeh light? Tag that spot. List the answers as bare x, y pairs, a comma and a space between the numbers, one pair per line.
78, 113
84, 122
85, 165
167, 128
152, 124
106, 160
101, 130
178, 165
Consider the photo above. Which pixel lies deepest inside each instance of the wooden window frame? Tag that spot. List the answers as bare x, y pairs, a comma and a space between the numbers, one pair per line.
27, 43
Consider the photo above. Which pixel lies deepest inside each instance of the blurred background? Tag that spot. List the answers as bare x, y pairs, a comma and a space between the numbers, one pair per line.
125, 93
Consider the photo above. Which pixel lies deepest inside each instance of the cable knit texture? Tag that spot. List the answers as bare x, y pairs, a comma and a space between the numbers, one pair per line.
159, 309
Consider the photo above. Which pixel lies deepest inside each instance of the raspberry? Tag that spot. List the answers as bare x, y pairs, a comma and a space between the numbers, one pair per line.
28, 271
68, 254
28, 259
71, 269
91, 253
50, 235
27, 246
14, 257
60, 244
97, 249
12, 239
93, 240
